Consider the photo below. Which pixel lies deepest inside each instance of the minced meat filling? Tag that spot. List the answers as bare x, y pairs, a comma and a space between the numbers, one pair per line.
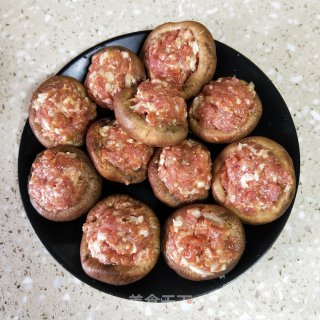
253, 178
119, 234
159, 104
56, 181
63, 112
109, 72
125, 153
172, 56
202, 241
224, 104
185, 170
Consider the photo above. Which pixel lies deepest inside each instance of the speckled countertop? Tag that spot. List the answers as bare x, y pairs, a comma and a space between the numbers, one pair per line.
281, 37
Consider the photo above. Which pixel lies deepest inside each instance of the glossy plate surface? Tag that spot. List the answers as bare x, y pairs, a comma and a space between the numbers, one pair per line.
162, 284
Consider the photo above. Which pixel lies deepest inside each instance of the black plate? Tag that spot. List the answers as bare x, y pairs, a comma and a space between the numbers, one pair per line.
162, 284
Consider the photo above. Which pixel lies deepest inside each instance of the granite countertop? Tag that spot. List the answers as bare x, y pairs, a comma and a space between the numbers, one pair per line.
281, 37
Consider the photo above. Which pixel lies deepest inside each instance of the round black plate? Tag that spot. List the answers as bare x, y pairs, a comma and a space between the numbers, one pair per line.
62, 240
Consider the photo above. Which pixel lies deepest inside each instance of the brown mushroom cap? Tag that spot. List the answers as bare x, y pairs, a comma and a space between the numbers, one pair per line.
285, 198
159, 188
207, 59
37, 128
138, 72
235, 226
138, 128
88, 199
213, 135
119, 274
104, 167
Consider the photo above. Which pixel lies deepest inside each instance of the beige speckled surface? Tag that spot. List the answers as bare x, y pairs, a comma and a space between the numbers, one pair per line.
281, 37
